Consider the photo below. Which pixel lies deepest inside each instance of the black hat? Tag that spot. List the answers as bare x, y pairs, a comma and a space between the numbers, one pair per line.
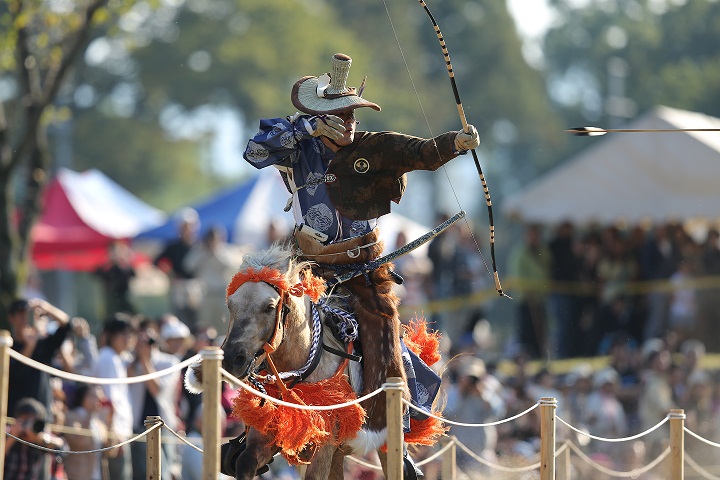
18, 305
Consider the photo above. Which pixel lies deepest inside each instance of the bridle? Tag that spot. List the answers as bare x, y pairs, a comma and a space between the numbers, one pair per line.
309, 285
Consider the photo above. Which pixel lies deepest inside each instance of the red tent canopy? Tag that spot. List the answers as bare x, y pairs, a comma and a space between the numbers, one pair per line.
83, 214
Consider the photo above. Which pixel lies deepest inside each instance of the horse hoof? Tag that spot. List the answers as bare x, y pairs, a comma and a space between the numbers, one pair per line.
230, 452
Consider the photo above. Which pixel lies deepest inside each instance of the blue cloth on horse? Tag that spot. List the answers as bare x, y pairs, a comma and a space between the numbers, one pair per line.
423, 383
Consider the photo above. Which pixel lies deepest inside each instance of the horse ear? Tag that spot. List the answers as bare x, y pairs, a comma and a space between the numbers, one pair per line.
193, 378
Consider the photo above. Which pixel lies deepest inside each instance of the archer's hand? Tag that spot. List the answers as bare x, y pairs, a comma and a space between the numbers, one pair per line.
329, 126
467, 140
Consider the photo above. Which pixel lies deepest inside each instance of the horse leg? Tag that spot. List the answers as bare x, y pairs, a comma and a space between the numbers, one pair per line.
383, 461
337, 467
259, 450
321, 463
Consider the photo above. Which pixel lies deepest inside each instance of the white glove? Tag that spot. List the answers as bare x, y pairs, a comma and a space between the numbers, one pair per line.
467, 141
330, 126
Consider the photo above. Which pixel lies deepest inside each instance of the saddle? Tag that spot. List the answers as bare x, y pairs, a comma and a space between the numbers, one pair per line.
362, 249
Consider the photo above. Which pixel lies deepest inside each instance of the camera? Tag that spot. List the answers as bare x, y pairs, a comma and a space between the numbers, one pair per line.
36, 426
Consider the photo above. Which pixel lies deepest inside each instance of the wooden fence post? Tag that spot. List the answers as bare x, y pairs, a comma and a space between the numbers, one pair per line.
5, 344
565, 465
394, 406
677, 444
547, 438
153, 454
449, 469
211, 382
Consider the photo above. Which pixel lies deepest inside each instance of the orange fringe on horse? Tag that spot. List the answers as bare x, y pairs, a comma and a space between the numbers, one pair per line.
295, 430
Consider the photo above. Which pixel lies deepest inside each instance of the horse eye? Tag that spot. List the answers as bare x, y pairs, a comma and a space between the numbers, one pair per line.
270, 308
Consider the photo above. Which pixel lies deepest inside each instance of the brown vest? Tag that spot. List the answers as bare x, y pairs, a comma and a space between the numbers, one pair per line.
366, 175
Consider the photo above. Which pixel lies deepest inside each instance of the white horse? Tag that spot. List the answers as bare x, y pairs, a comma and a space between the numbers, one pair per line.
267, 315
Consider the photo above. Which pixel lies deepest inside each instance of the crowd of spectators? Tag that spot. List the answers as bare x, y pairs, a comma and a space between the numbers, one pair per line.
573, 289
584, 284
71, 416
594, 285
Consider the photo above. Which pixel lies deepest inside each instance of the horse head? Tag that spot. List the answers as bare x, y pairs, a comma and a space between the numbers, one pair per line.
266, 305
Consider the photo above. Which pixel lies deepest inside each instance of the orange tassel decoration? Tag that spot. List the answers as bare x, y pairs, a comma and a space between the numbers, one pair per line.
295, 430
310, 285
423, 343
426, 345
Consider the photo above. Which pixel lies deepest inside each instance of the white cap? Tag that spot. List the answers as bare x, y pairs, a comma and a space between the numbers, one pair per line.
606, 375
174, 329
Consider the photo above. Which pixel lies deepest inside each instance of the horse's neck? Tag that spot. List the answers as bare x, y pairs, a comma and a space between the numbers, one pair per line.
329, 362
295, 348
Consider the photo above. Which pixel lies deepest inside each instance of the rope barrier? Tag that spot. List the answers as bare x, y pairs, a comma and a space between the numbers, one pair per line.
695, 466
234, 380
183, 439
614, 473
496, 466
365, 464
96, 380
712, 444
561, 449
436, 454
80, 452
625, 439
459, 424
419, 464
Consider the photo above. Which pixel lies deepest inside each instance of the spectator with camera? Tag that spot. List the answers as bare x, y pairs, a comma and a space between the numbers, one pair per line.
23, 460
474, 398
156, 397
28, 320
118, 338
90, 413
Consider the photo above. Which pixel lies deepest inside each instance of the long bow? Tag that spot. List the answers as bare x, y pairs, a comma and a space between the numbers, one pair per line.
463, 120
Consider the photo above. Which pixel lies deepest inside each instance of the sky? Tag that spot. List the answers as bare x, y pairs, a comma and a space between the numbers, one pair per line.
532, 18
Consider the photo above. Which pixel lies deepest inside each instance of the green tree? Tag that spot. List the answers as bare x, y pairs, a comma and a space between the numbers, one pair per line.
156, 82
39, 44
669, 51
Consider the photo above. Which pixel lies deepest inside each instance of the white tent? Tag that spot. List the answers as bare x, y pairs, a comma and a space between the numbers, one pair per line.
632, 176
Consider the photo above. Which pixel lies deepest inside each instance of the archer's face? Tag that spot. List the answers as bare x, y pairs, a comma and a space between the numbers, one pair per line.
349, 120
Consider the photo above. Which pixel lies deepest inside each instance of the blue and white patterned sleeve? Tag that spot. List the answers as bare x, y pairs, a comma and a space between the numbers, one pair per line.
277, 141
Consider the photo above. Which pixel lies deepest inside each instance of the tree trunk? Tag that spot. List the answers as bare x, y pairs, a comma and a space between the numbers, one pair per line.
8, 242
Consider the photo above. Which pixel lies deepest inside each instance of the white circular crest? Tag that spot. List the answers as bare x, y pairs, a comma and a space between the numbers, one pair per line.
255, 152
361, 165
319, 217
422, 393
287, 139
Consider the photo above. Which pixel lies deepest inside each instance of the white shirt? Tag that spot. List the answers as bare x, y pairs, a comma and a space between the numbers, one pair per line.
111, 365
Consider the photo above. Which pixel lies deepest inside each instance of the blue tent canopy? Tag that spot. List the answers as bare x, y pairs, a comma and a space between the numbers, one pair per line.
247, 211
222, 209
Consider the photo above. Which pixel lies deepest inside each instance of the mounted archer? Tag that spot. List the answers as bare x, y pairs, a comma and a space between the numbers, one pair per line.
341, 180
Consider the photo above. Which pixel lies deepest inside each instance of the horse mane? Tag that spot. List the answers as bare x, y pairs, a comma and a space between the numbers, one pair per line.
281, 258
278, 257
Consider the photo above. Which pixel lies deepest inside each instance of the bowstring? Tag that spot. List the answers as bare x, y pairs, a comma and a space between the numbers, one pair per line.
432, 135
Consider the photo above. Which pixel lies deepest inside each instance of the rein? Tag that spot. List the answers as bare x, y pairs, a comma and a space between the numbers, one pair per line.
314, 288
